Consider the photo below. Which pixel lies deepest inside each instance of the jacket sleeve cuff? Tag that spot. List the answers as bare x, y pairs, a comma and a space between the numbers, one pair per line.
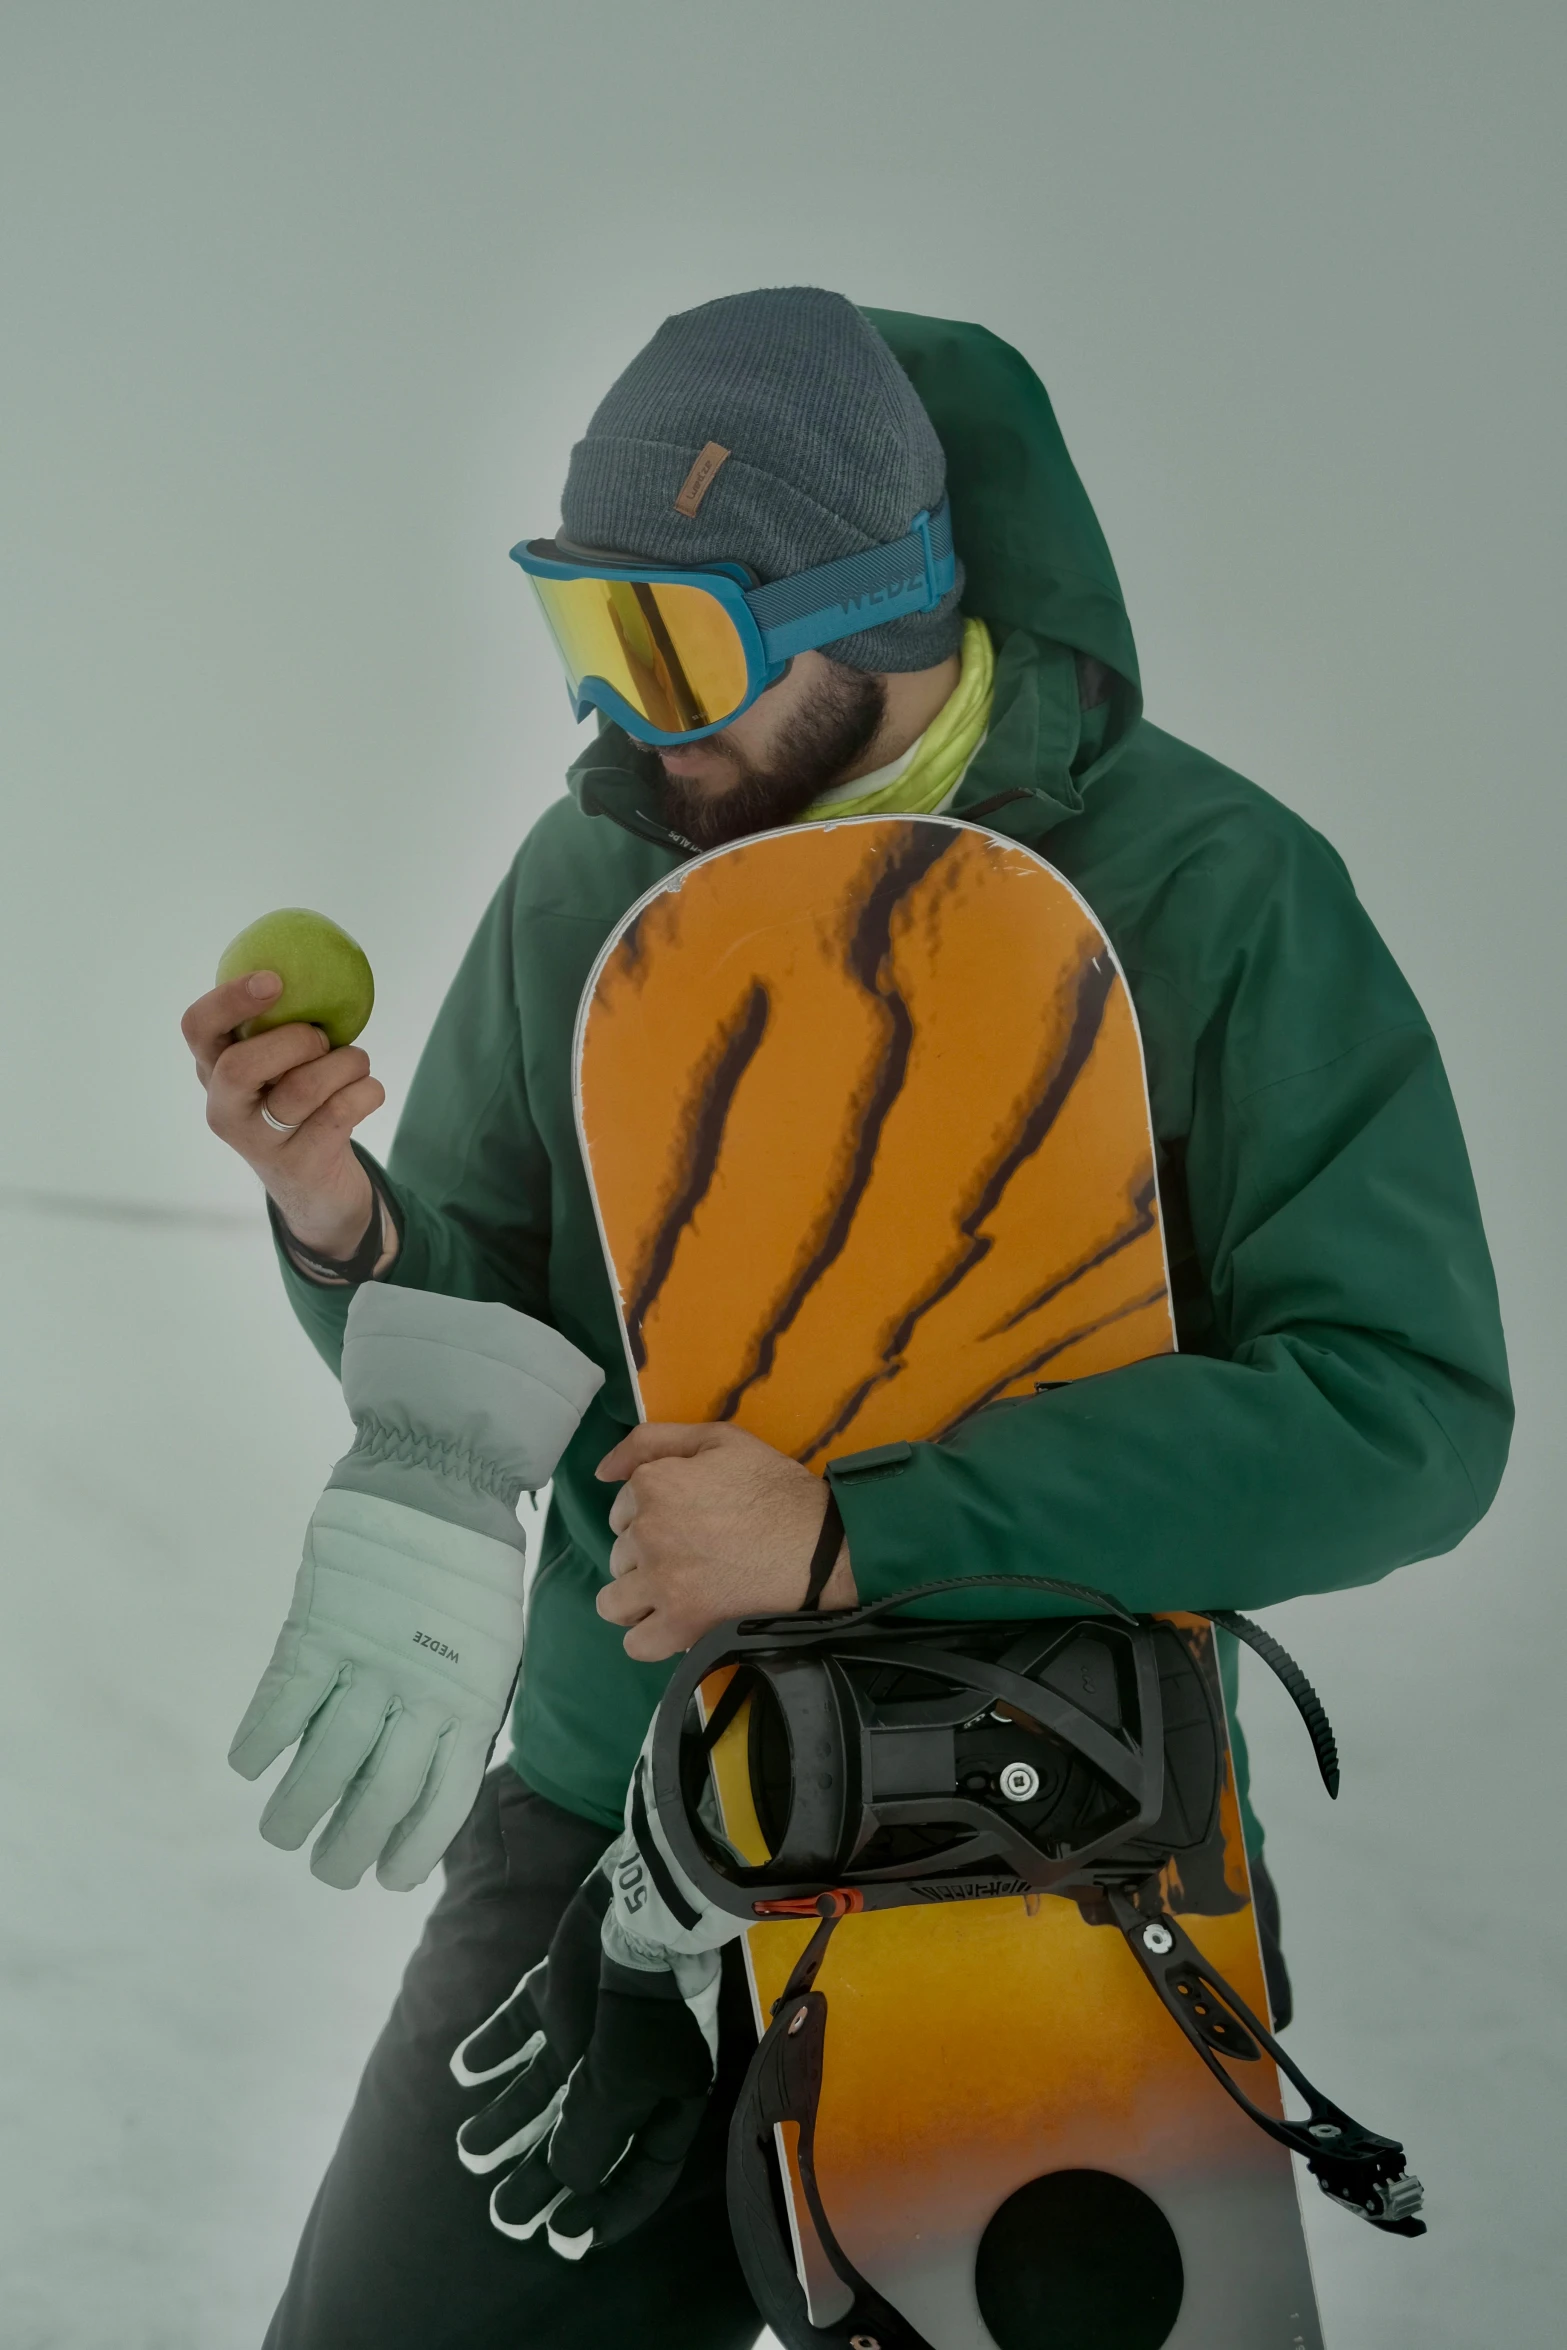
888, 1549
904, 1524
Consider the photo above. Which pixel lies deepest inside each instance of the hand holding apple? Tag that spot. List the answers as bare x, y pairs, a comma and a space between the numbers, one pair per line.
293, 991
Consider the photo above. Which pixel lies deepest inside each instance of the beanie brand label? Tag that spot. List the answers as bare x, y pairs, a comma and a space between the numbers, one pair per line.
700, 478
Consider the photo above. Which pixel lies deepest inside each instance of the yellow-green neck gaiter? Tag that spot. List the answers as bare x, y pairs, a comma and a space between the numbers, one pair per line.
932, 767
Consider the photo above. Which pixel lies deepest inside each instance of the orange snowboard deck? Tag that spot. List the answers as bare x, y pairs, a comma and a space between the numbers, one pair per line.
864, 1113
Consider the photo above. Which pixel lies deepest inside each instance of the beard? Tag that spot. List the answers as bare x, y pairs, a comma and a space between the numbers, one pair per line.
822, 739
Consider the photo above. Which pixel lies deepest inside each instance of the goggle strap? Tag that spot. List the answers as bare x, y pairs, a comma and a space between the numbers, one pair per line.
858, 591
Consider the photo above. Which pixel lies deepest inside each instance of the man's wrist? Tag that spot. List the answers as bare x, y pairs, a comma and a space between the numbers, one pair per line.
361, 1246
325, 1233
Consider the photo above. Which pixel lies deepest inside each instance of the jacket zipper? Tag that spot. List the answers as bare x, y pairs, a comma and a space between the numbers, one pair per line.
637, 822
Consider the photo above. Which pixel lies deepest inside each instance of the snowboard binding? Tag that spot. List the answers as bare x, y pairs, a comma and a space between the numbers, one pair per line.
895, 1762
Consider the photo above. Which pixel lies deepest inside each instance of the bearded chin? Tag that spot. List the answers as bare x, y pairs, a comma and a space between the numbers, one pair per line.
756, 801
821, 740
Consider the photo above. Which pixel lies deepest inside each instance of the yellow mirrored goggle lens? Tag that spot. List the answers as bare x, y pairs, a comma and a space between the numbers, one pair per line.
672, 652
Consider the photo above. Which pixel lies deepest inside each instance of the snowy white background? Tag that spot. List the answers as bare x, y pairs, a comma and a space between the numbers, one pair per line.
303, 307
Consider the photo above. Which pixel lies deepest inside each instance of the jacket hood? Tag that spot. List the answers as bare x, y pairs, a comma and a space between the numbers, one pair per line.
1035, 554
1067, 693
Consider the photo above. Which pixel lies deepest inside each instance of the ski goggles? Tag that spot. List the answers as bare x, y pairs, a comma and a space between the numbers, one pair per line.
673, 654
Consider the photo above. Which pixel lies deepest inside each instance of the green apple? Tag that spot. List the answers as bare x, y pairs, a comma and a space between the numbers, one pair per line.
326, 975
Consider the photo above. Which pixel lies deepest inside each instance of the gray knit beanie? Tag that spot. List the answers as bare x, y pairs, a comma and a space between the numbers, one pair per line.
829, 452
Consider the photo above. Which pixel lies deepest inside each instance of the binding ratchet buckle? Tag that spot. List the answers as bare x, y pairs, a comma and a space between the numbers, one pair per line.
1351, 2164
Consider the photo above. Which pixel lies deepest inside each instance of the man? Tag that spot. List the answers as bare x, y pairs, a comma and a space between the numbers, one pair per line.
1339, 1404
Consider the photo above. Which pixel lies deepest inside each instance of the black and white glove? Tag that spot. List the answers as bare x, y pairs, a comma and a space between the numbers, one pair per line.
608, 2048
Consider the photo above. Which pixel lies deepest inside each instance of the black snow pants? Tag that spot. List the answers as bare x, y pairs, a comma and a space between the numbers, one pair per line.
398, 2252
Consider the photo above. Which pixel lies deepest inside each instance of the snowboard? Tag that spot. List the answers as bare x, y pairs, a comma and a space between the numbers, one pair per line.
864, 1114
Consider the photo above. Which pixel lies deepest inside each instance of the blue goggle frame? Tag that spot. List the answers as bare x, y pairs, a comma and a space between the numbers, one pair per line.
788, 616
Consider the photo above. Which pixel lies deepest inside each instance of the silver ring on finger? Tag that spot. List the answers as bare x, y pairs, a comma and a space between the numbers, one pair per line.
277, 1124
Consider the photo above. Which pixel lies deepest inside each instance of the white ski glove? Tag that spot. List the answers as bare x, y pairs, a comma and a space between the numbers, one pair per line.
609, 2048
400, 1650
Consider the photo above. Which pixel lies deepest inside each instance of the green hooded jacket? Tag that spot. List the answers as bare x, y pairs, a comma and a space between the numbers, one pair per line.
1339, 1404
